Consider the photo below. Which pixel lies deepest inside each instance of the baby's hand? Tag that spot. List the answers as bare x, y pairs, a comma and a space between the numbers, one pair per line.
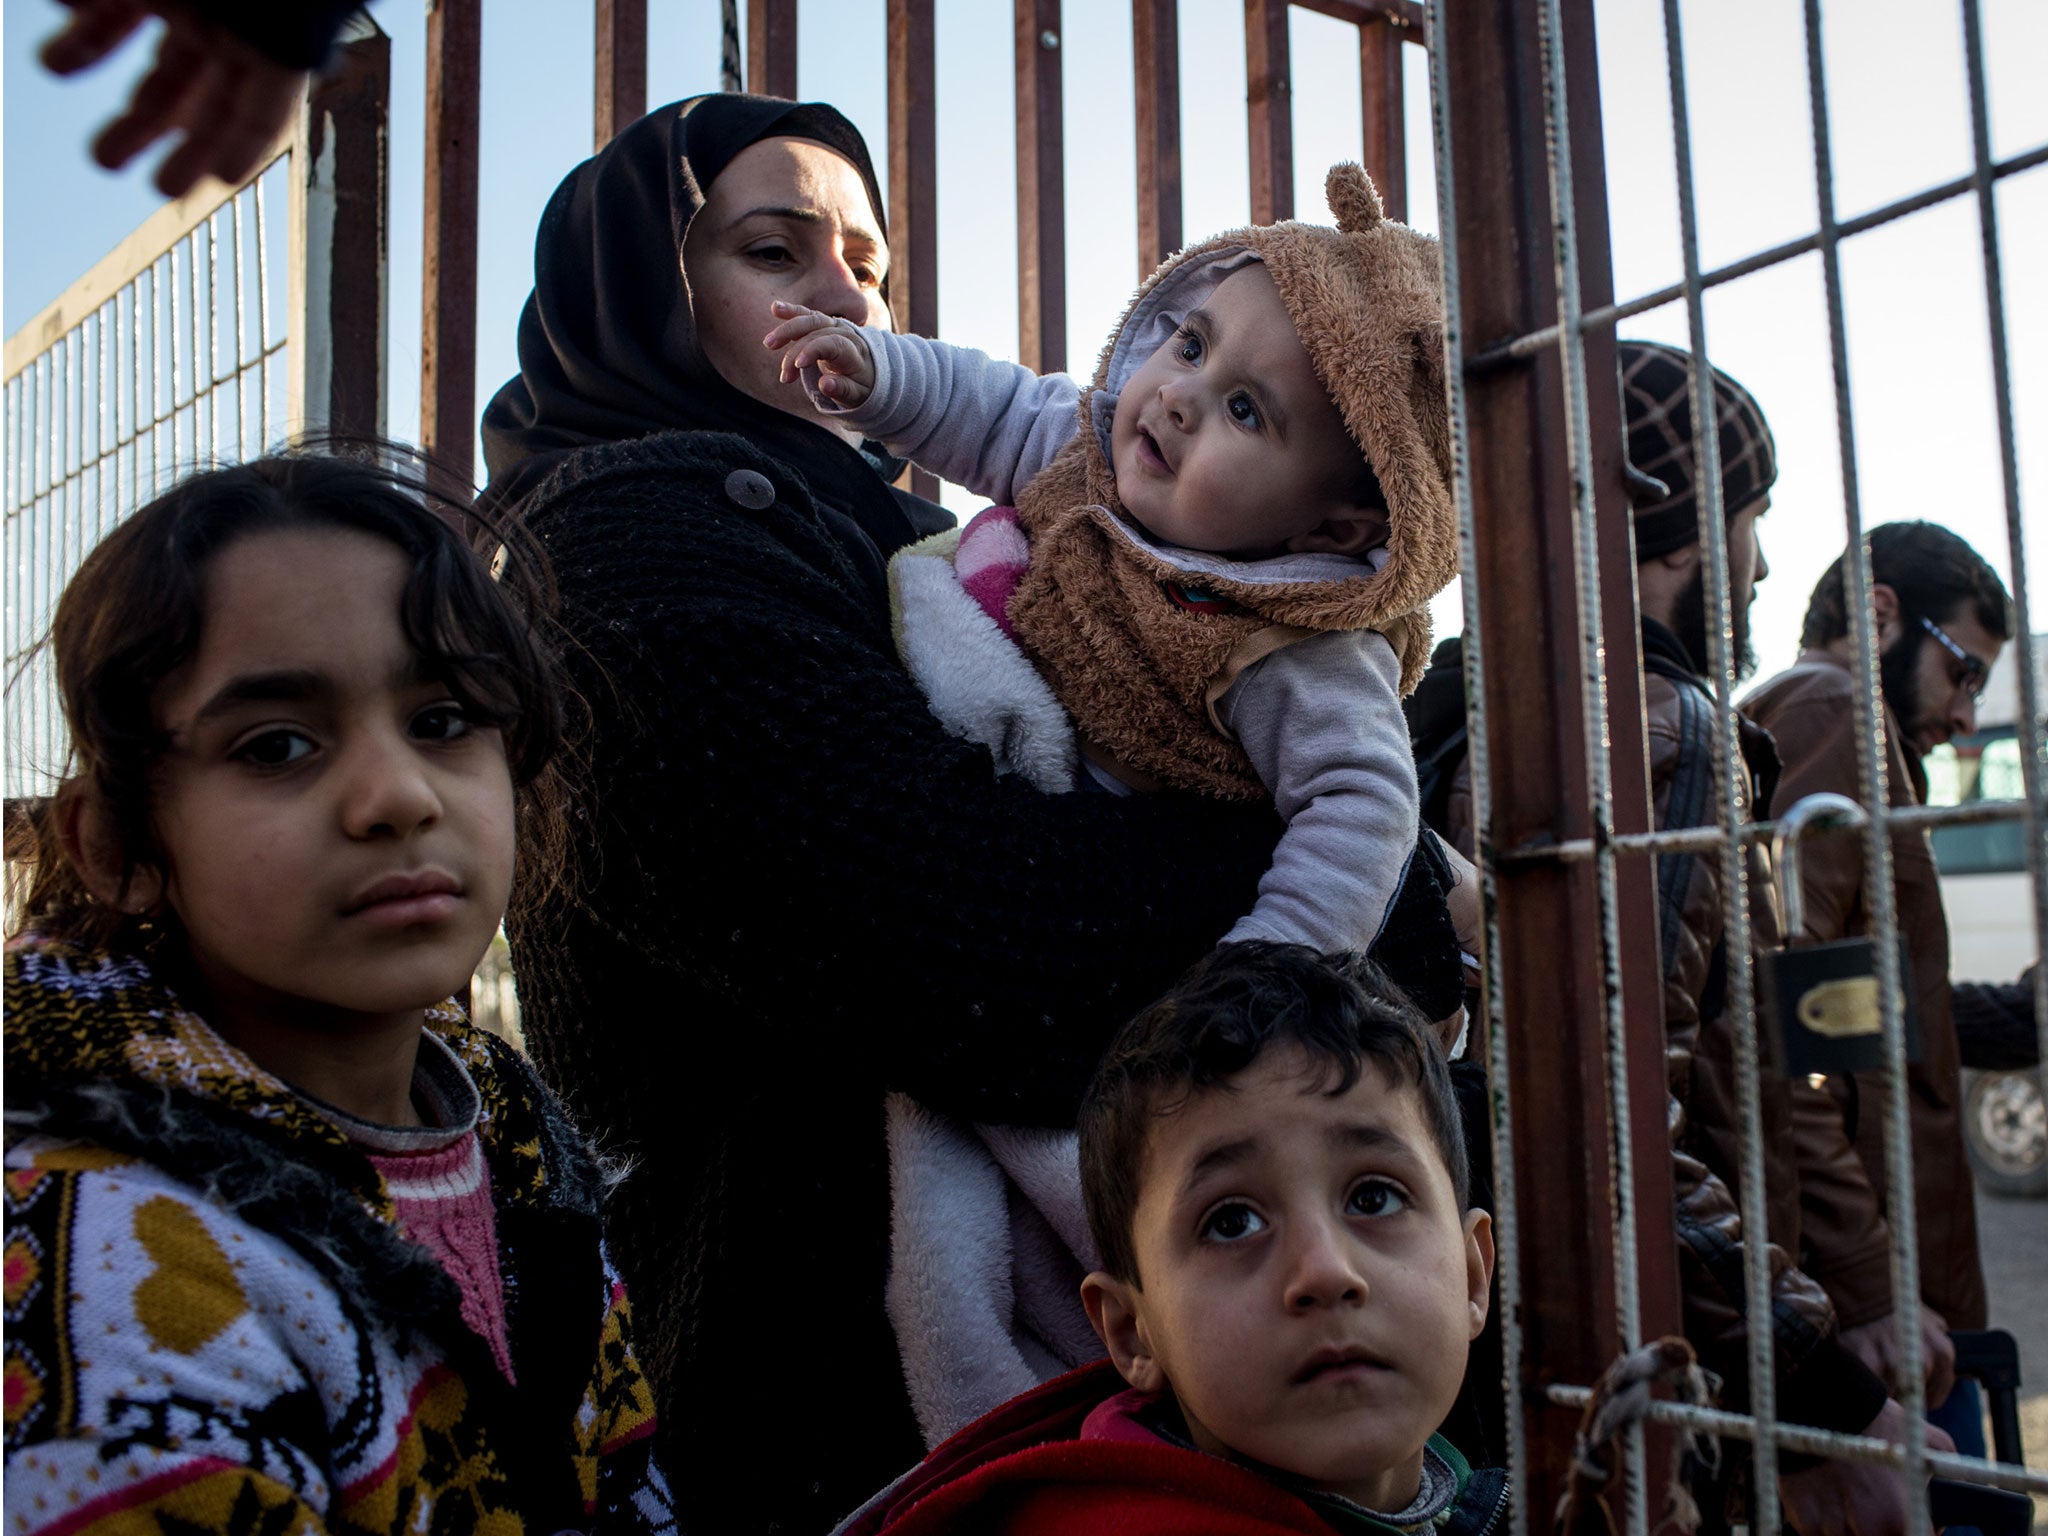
846, 372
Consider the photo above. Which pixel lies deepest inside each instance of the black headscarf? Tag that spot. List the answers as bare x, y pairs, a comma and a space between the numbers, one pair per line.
608, 346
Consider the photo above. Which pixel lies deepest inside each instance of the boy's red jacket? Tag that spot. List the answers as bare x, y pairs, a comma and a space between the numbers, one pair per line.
1023, 1470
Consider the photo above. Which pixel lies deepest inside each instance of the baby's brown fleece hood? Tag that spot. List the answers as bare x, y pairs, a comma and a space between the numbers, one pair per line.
1366, 301
1139, 639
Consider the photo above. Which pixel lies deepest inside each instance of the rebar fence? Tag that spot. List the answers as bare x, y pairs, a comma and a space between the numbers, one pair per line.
228, 322
125, 382
1572, 1012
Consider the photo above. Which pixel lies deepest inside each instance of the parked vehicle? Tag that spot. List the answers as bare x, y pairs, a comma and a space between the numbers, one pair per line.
1990, 901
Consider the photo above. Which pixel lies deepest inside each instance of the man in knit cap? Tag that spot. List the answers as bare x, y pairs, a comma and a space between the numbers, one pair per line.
1819, 1382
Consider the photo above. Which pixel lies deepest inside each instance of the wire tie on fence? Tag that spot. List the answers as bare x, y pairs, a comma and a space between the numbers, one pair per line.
1620, 1401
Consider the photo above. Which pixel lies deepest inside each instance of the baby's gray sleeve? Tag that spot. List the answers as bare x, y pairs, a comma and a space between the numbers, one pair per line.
963, 415
1322, 723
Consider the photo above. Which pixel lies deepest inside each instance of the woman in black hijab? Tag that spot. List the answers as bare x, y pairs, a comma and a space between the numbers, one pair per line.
609, 343
798, 892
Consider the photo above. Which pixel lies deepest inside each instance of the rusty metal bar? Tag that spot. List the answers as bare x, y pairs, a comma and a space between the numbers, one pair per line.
1405, 14
1269, 109
1383, 102
771, 47
2033, 771
1735, 896
1041, 190
448, 302
1494, 1048
1827, 1442
1879, 895
347, 173
1553, 994
621, 67
1155, 59
913, 183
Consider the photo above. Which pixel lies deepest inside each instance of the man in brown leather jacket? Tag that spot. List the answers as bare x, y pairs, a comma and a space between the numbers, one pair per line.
1942, 616
1818, 1382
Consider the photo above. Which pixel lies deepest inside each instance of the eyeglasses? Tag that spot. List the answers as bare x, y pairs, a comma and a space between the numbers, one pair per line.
1975, 673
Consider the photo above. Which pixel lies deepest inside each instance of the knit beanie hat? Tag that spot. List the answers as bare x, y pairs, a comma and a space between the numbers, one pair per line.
1656, 393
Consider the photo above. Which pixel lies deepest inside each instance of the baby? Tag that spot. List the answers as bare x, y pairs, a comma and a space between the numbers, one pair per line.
1226, 545
1276, 1178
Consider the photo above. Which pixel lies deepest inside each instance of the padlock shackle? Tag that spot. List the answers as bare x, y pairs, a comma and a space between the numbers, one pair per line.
1825, 812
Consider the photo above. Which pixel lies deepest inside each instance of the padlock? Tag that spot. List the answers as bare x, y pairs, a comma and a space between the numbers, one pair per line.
1822, 999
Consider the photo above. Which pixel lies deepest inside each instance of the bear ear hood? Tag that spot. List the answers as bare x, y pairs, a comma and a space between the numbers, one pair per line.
1366, 299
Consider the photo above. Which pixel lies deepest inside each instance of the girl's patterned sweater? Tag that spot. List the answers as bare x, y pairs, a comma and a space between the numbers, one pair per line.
215, 1324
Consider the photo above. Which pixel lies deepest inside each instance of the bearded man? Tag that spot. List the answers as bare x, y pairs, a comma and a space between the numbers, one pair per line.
1941, 616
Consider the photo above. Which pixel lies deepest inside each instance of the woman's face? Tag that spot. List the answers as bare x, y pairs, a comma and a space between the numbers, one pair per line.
787, 219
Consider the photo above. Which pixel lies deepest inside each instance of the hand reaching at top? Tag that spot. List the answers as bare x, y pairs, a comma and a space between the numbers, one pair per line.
810, 338
228, 100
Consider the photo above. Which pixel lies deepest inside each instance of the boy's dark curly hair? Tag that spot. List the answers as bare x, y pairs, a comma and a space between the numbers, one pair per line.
1240, 1002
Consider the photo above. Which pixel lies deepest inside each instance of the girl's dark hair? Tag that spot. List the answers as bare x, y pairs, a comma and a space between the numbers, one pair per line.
1239, 1003
133, 614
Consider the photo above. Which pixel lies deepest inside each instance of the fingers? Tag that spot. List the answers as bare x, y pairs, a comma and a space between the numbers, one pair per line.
1941, 1359
95, 29
834, 351
266, 102
210, 115
247, 103
796, 321
183, 72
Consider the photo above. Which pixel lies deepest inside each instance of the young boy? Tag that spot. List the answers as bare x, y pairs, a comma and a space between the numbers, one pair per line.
1275, 1176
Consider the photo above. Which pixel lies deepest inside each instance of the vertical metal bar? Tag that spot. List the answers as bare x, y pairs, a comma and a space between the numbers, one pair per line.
1041, 190
74, 467
1741, 990
10, 708
156, 376
1155, 60
263, 313
1559, 961
16, 394
913, 182
213, 376
241, 338
110, 406
188, 340
341, 166
2033, 770
16, 621
1593, 664
1269, 109
621, 66
132, 438
1497, 1050
1873, 780
771, 47
448, 316
1383, 103
39, 527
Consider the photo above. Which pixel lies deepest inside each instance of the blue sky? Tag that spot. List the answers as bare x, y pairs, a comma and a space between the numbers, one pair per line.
1918, 353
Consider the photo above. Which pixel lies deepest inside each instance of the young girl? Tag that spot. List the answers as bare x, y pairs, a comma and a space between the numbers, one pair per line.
291, 1247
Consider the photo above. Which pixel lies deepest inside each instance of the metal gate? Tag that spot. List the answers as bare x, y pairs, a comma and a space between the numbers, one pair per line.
1554, 695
